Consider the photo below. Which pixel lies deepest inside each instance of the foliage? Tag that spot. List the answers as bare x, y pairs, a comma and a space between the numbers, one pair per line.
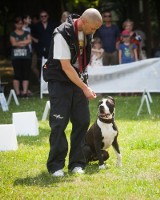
80, 5
23, 173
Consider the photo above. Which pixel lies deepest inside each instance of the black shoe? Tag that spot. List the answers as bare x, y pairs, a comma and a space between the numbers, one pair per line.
18, 95
25, 96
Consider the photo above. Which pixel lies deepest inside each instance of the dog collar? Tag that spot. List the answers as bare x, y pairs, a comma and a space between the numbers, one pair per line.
107, 121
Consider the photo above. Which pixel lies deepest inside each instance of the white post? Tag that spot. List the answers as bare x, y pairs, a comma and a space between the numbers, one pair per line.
145, 97
12, 93
3, 102
46, 110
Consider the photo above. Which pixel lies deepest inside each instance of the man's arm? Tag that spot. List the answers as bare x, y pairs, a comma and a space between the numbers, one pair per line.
73, 76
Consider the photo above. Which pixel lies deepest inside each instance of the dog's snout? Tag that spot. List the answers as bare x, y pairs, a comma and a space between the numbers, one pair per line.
101, 108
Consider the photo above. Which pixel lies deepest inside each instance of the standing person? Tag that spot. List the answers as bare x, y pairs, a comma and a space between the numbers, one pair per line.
109, 34
134, 37
43, 34
26, 22
68, 90
127, 50
97, 53
21, 57
26, 27
64, 16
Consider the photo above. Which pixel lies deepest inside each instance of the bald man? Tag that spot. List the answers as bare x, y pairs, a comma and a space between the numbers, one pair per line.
69, 93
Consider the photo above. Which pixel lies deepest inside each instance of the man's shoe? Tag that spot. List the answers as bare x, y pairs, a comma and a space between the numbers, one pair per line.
58, 173
78, 170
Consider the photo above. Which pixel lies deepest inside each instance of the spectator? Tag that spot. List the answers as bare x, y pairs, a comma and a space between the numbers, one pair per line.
127, 50
64, 16
26, 22
26, 27
43, 34
96, 53
134, 37
109, 34
21, 57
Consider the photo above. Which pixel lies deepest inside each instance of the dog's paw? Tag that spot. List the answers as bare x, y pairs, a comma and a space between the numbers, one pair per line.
119, 161
102, 166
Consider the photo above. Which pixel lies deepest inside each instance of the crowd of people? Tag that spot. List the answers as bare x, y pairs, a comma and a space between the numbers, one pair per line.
30, 41
118, 47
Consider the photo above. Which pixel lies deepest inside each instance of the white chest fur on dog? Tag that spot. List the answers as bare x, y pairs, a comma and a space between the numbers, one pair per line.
107, 132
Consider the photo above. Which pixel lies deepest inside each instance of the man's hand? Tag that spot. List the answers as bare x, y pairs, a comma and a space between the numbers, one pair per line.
89, 93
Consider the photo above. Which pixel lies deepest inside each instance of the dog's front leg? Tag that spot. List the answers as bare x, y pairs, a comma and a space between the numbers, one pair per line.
117, 151
99, 154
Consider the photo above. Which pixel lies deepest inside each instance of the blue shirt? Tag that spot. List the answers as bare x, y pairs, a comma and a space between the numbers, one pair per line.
127, 52
109, 36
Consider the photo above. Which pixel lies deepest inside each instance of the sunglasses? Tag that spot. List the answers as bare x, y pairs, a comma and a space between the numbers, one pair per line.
43, 16
125, 36
19, 23
107, 16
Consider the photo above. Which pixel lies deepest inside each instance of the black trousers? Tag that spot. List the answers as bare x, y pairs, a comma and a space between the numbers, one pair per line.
68, 102
22, 69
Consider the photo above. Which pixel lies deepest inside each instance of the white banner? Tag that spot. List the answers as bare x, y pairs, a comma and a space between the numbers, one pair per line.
133, 77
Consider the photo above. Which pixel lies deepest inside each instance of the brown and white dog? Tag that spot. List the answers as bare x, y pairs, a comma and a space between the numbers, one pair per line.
102, 134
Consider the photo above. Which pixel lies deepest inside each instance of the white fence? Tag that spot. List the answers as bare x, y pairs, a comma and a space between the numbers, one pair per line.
133, 77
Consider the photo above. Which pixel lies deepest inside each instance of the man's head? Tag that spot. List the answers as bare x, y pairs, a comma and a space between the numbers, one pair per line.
107, 16
90, 21
44, 16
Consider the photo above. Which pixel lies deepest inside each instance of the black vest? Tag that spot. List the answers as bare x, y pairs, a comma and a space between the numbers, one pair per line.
52, 70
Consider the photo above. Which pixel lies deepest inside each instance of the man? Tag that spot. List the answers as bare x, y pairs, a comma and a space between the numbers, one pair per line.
42, 36
109, 34
68, 91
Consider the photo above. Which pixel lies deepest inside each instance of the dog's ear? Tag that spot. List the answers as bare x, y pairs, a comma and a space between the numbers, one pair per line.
111, 98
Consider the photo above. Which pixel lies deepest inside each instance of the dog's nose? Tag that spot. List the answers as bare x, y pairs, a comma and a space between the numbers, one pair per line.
101, 108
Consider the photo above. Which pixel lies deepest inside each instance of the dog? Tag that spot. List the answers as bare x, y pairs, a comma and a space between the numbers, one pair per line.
102, 134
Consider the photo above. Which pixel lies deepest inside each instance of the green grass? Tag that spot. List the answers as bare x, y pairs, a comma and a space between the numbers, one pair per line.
23, 174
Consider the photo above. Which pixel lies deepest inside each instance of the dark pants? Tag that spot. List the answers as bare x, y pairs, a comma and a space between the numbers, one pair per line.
68, 102
22, 69
110, 58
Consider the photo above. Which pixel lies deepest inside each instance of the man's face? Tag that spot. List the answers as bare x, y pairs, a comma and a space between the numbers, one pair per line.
107, 17
44, 17
90, 28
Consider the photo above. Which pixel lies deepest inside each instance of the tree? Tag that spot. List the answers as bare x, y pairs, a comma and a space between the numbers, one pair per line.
124, 9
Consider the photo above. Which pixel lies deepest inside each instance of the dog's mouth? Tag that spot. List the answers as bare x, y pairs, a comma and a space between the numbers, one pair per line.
104, 115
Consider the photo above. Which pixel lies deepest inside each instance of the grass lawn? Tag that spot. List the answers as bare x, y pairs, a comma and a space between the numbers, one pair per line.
23, 174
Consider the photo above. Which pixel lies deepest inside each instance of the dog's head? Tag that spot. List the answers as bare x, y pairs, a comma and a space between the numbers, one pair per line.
106, 108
